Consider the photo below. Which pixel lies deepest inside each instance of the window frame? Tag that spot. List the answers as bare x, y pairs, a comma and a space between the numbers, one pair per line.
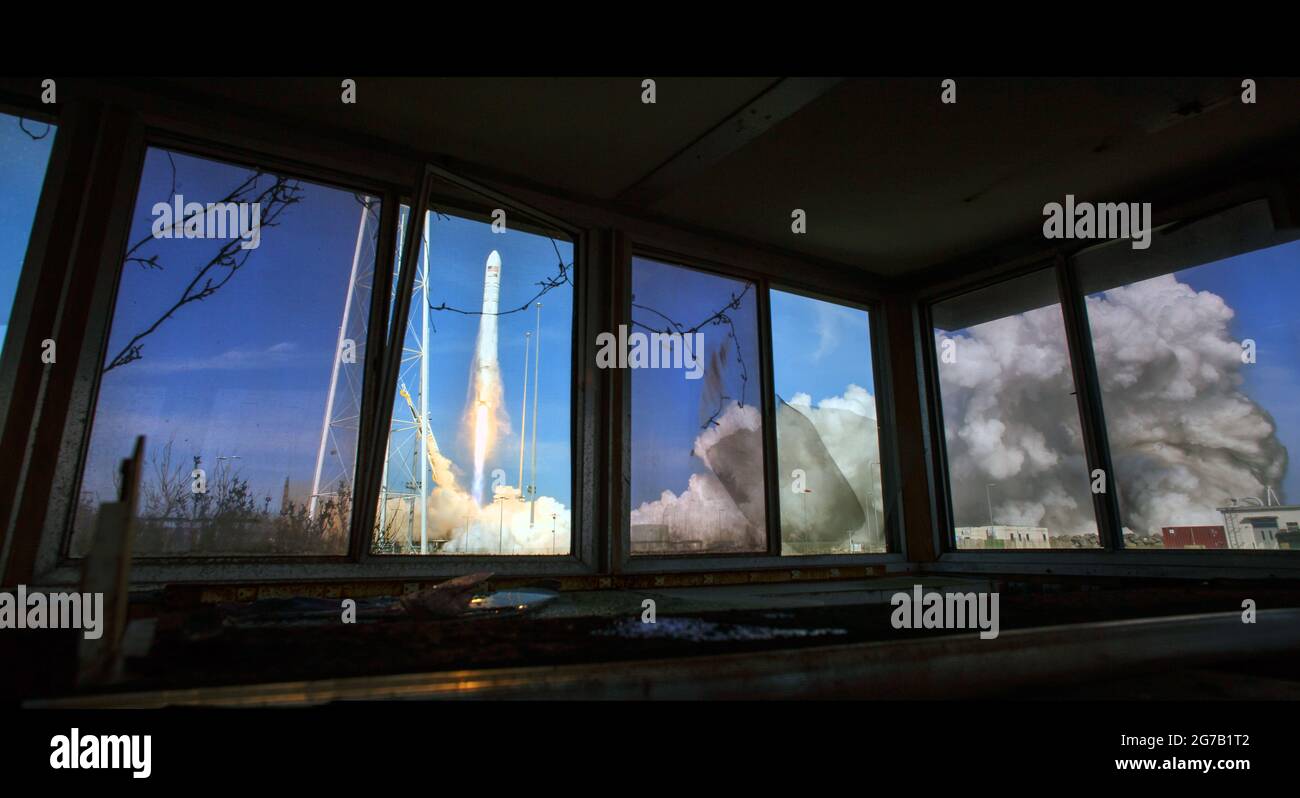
582, 420
52, 565
37, 242
122, 122
764, 279
1112, 558
33, 269
887, 431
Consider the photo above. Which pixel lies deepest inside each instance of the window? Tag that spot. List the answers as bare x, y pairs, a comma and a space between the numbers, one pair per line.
25, 147
1197, 345
697, 470
827, 433
236, 347
478, 458
1017, 471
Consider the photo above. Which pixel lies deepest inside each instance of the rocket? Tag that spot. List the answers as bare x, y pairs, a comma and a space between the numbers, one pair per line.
486, 406
485, 357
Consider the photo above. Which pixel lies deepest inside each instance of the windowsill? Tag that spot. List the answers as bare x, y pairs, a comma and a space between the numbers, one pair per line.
742, 637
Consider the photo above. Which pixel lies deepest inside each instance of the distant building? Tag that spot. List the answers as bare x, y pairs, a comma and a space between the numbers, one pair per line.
1002, 537
1194, 537
1249, 526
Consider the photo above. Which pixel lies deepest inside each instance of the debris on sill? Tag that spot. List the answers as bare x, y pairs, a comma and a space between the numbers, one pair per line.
464, 597
448, 599
699, 631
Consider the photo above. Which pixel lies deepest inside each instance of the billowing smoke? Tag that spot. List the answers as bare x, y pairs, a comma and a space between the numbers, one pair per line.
505, 526
845, 502
1183, 436
721, 508
831, 446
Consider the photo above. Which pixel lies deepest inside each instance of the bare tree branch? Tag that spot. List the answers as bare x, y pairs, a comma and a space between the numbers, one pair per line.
275, 199
22, 125
719, 317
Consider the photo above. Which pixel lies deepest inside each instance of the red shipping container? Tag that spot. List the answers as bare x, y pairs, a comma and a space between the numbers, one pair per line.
1194, 537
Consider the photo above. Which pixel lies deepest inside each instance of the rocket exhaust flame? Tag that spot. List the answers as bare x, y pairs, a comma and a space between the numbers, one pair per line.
482, 433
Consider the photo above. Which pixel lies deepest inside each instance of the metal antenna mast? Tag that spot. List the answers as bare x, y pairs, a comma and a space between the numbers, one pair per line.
335, 462
532, 485
424, 391
411, 464
523, 415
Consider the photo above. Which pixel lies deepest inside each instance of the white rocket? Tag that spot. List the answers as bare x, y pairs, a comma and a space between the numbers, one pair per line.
486, 408
488, 377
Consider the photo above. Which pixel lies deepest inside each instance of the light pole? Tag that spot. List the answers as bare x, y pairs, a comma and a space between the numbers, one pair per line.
537, 359
871, 494
501, 523
804, 500
523, 415
194, 494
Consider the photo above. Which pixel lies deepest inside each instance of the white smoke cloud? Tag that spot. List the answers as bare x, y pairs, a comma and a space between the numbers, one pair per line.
1183, 436
847, 426
721, 518
734, 419
720, 508
704, 512
506, 526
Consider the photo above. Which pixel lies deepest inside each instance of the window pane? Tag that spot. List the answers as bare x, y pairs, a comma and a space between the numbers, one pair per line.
827, 434
237, 347
1198, 354
697, 426
24, 153
479, 444
1016, 463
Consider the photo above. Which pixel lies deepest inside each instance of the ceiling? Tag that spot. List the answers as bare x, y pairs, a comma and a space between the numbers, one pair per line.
891, 179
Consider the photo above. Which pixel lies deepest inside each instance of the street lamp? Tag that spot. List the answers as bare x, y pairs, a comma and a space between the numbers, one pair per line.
871, 493
803, 498
501, 523
989, 498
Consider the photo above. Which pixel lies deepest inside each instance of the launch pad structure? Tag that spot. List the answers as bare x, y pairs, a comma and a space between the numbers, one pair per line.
404, 495
336, 454
412, 494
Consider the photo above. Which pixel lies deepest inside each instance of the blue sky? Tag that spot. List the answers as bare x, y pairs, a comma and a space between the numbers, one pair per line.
666, 407
819, 347
245, 372
22, 171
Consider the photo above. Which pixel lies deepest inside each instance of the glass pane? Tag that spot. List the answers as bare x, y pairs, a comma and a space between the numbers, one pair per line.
1198, 354
237, 348
24, 153
827, 434
1016, 463
478, 457
697, 428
